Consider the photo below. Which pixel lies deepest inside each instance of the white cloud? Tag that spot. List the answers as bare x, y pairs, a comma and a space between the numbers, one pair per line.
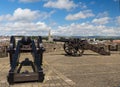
80, 15
85, 29
100, 21
19, 28
102, 14
82, 5
21, 15
109, 31
24, 22
25, 15
28, 1
118, 19
60, 4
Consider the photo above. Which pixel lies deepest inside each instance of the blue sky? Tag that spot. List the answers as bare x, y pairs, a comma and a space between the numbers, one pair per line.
62, 17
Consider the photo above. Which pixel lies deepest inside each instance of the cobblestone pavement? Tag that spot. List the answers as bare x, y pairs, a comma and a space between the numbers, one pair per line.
89, 70
53, 78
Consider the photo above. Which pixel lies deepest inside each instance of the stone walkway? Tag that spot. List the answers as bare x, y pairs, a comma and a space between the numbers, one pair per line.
53, 78
90, 70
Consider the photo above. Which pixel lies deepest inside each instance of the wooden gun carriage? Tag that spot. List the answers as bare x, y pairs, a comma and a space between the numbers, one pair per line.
25, 45
76, 47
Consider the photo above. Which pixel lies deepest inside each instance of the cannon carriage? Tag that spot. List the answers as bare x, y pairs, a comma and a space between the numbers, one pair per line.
25, 45
76, 47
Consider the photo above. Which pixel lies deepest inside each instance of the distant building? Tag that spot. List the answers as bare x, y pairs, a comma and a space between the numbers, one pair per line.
50, 39
116, 41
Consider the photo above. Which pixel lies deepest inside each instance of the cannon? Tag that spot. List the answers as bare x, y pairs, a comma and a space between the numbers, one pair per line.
72, 47
25, 45
77, 46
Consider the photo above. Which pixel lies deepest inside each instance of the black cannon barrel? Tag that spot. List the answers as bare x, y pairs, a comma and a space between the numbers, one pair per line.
26, 40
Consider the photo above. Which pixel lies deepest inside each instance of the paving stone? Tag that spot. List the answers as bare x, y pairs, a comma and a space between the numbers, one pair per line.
52, 77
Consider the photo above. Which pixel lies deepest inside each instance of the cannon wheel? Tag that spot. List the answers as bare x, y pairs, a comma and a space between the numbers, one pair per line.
71, 50
67, 48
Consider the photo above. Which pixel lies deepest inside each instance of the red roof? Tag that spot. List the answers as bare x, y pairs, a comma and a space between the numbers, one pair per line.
116, 41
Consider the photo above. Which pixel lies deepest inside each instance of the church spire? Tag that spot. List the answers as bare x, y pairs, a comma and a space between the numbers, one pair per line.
49, 36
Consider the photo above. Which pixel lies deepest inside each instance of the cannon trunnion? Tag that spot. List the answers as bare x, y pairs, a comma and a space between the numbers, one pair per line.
25, 45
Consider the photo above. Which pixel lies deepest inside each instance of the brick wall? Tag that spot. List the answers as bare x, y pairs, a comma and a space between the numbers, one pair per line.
51, 47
